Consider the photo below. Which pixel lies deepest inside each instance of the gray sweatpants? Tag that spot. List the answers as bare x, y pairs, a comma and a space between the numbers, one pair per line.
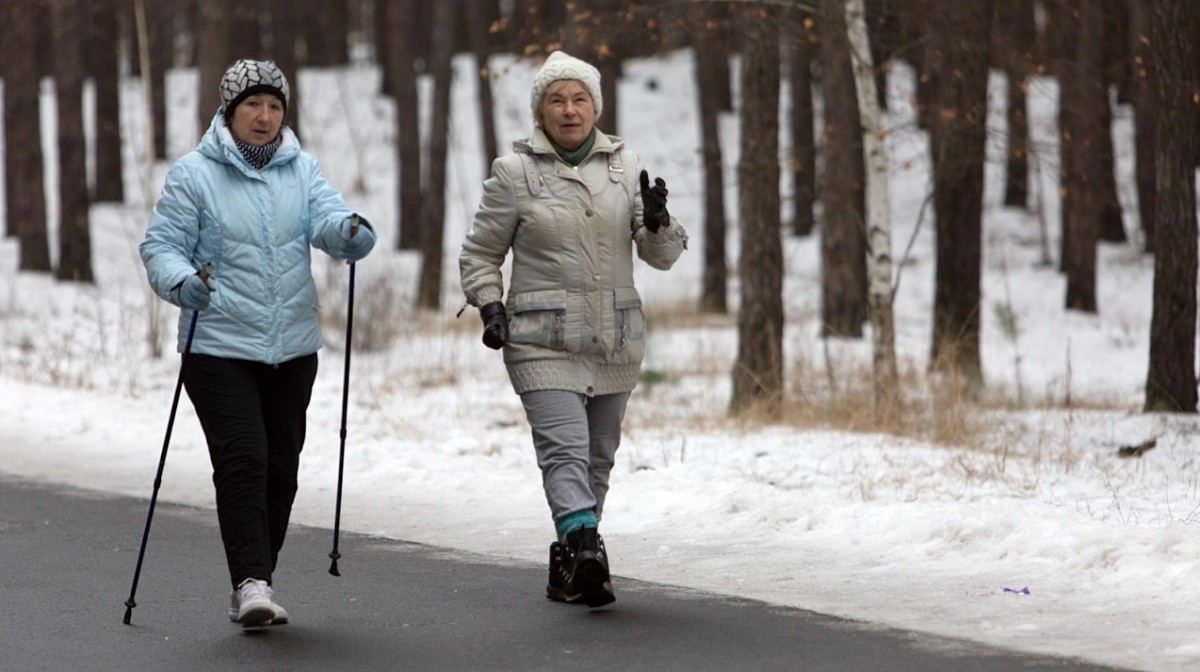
576, 439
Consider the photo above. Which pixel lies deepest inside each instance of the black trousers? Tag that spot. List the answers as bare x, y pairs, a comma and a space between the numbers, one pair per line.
253, 415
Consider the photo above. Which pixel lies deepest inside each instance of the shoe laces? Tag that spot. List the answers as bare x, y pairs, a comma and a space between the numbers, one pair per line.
251, 588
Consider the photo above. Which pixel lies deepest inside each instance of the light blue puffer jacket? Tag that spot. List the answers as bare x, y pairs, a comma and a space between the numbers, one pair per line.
256, 227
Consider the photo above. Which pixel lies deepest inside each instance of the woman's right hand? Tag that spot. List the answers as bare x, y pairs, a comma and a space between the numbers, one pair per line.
495, 325
192, 293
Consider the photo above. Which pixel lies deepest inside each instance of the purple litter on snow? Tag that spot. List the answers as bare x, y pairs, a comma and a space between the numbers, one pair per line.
1023, 591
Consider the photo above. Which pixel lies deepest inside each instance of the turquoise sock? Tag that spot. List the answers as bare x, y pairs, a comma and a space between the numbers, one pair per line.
573, 521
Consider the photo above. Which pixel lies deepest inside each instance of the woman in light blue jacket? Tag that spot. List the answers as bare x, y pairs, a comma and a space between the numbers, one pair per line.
249, 201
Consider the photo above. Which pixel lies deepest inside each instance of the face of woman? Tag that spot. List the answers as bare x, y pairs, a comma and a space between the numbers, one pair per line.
568, 113
256, 120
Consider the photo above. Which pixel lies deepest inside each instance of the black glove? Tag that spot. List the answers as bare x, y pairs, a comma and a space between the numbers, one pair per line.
654, 204
495, 325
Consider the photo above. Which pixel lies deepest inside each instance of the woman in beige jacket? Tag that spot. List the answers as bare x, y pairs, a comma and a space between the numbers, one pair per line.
570, 203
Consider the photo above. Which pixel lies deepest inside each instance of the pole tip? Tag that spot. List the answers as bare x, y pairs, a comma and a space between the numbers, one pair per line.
128, 614
333, 568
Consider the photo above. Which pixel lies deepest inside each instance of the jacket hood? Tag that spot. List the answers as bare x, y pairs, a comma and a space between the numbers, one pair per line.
538, 143
217, 144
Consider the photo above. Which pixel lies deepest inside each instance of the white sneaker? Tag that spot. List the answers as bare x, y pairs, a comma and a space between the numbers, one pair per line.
281, 616
251, 604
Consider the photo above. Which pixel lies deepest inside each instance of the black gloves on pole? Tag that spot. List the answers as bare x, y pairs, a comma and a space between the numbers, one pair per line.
495, 325
654, 203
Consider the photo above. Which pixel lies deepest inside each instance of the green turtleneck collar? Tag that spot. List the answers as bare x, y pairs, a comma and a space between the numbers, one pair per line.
577, 156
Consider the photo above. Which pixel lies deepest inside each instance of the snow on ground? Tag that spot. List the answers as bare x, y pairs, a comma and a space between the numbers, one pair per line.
897, 531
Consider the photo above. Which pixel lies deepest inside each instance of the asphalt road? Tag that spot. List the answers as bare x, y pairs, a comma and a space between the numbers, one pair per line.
67, 559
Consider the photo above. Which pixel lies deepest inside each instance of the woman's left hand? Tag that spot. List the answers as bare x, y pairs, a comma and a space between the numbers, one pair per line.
358, 237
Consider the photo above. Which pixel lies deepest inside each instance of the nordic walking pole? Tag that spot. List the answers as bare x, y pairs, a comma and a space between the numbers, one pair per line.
205, 272
337, 512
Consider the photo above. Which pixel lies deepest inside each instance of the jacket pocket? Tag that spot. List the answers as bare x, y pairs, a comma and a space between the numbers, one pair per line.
630, 321
539, 318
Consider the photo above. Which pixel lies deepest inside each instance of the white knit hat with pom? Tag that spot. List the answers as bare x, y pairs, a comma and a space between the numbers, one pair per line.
561, 65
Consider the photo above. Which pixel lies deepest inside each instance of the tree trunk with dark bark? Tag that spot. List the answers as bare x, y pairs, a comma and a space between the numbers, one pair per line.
1145, 117
482, 13
212, 57
1171, 381
24, 188
1082, 118
433, 198
245, 36
710, 49
1014, 40
284, 35
802, 47
758, 369
959, 34
1110, 226
400, 72
326, 32
75, 247
102, 64
160, 20
842, 185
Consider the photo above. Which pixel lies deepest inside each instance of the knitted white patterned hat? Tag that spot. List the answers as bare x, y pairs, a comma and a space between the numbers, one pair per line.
246, 78
560, 65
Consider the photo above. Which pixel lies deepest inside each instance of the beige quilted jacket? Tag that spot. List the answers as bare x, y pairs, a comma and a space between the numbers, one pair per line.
575, 318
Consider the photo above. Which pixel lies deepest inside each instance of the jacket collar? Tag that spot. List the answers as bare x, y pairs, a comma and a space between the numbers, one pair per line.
217, 144
538, 143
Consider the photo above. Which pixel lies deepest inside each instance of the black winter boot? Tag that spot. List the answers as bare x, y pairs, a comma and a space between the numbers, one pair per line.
558, 587
589, 567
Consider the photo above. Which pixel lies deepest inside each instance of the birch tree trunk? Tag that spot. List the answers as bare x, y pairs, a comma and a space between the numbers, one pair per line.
879, 231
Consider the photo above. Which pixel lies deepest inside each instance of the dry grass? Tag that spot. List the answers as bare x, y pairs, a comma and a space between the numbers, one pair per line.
935, 404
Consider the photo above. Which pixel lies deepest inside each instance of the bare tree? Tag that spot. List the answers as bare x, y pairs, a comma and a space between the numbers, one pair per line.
802, 47
1171, 381
400, 71
1081, 122
433, 197
1014, 41
102, 65
24, 190
1145, 116
326, 32
758, 370
284, 35
842, 185
711, 48
160, 20
213, 56
245, 34
958, 48
75, 247
482, 14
